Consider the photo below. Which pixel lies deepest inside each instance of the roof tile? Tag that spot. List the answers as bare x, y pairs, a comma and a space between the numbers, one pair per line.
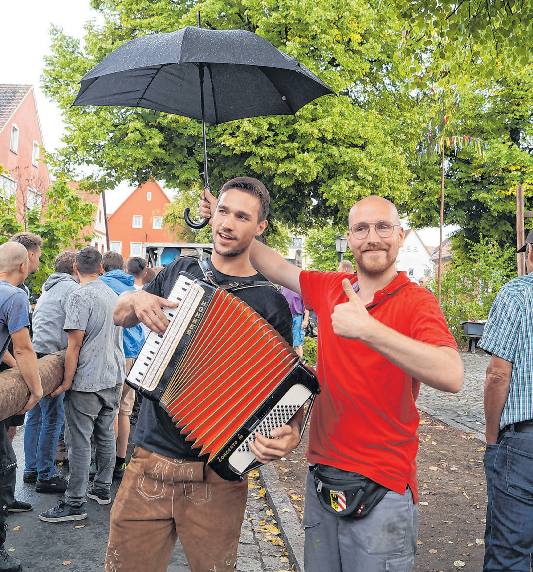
10, 98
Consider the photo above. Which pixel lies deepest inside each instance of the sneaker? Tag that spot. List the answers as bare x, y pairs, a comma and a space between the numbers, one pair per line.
8, 564
92, 471
118, 471
63, 512
55, 484
101, 497
19, 506
30, 476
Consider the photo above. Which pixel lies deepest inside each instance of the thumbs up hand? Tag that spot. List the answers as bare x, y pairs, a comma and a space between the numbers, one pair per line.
351, 319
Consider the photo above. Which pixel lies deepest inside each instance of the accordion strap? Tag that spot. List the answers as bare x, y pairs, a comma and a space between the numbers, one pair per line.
210, 278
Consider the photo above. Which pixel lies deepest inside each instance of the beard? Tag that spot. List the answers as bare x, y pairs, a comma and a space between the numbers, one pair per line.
375, 267
229, 252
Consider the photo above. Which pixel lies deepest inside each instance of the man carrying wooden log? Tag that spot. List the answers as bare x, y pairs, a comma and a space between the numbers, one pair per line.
14, 324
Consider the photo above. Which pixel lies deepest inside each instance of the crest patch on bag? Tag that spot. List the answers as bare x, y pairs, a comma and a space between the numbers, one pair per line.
337, 500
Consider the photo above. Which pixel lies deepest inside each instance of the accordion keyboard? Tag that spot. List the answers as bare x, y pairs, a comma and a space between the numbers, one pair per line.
285, 409
150, 362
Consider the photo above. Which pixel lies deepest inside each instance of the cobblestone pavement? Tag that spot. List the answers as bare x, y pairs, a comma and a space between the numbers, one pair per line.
80, 546
463, 410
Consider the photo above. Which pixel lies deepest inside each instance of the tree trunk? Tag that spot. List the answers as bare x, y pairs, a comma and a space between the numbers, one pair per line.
15, 393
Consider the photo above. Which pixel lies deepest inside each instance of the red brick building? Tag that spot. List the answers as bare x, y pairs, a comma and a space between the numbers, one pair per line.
136, 221
25, 173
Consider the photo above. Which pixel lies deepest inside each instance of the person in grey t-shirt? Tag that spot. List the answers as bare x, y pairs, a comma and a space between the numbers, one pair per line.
94, 372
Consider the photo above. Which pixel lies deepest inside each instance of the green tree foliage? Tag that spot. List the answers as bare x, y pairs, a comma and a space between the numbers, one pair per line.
449, 37
471, 281
334, 151
480, 189
320, 246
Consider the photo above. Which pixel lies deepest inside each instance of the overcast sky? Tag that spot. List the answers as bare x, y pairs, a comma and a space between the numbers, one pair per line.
25, 40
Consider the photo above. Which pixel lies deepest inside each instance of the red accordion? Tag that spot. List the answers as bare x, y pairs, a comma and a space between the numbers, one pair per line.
222, 373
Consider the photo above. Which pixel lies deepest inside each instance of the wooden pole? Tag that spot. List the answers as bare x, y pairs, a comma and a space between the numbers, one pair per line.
15, 392
439, 270
520, 238
105, 221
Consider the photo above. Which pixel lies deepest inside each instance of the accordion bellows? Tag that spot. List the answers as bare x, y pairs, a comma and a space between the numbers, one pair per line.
222, 373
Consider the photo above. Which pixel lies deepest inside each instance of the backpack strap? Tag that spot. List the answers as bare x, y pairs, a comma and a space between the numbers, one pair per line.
209, 276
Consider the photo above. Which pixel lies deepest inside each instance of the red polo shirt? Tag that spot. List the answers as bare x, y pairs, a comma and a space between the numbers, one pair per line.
365, 420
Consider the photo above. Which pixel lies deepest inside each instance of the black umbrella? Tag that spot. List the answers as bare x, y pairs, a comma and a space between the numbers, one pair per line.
212, 75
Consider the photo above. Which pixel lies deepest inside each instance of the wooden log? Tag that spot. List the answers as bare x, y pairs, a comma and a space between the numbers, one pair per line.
14, 392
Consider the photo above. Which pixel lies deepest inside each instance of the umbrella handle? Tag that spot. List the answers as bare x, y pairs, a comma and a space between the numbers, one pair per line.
191, 223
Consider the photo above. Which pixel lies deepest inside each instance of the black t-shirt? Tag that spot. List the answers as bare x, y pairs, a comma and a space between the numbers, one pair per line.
155, 430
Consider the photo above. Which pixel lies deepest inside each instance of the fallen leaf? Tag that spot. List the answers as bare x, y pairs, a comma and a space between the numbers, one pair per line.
283, 559
480, 541
470, 544
66, 562
433, 468
419, 542
465, 553
459, 564
11, 550
253, 473
423, 503
433, 443
17, 528
285, 510
454, 469
433, 550
270, 512
80, 526
261, 522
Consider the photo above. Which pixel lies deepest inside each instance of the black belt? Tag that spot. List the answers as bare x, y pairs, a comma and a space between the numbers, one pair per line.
521, 427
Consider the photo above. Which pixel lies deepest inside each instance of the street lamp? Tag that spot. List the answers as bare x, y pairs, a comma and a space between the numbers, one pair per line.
341, 243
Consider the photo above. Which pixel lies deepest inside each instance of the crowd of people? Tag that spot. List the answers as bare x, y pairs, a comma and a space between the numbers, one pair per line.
380, 336
74, 313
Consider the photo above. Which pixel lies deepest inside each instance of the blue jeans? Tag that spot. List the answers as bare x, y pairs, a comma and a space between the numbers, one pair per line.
90, 413
509, 529
384, 540
43, 425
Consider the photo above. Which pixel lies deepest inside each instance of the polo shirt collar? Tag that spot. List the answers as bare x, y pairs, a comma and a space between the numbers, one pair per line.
392, 287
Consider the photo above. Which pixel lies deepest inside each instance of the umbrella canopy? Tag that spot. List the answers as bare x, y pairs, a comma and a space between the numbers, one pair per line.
245, 76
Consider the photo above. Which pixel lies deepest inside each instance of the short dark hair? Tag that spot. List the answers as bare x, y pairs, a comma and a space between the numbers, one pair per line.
27, 239
112, 261
64, 262
136, 266
88, 260
252, 187
149, 275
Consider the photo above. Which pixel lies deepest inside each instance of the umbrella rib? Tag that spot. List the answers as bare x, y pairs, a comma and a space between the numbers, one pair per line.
149, 84
262, 68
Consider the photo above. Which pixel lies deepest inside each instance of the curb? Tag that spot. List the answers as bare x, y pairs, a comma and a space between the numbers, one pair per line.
453, 423
288, 521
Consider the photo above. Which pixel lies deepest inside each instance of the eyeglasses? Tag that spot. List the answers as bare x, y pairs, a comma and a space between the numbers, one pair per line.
383, 228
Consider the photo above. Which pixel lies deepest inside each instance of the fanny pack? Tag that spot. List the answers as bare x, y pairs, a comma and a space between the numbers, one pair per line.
344, 493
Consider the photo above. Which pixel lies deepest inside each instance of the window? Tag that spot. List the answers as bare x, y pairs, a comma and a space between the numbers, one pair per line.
148, 196
158, 222
135, 248
116, 247
297, 242
8, 187
35, 154
34, 199
137, 221
14, 144
411, 272
415, 248
408, 248
99, 216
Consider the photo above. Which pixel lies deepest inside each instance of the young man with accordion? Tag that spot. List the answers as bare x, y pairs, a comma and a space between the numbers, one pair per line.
168, 490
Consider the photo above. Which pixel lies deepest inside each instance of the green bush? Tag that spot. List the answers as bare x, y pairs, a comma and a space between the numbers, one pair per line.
470, 282
310, 351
